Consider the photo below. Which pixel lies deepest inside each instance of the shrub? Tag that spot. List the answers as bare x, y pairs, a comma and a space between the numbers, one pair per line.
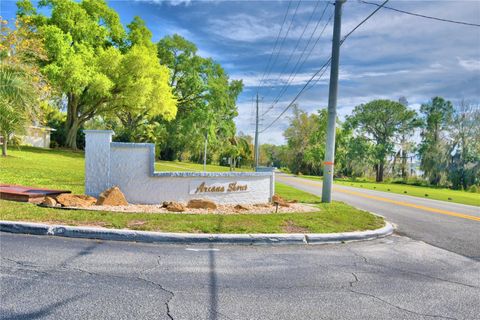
473, 189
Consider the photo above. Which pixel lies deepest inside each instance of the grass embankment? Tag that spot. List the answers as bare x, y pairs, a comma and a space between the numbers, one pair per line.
442, 194
65, 170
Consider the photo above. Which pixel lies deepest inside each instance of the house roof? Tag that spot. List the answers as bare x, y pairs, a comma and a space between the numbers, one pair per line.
43, 128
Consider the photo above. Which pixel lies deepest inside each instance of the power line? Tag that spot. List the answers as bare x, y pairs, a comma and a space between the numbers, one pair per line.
298, 40
380, 6
424, 16
284, 38
320, 76
322, 67
351, 31
275, 45
298, 66
297, 96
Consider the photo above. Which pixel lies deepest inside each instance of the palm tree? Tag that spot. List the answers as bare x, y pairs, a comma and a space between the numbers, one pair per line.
17, 102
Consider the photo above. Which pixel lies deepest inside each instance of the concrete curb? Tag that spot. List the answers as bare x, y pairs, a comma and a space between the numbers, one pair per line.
161, 237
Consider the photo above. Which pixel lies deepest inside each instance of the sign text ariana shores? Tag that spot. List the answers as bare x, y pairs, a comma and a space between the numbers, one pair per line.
236, 186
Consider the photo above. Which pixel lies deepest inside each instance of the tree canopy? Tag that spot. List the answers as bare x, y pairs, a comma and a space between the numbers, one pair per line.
206, 100
381, 121
97, 65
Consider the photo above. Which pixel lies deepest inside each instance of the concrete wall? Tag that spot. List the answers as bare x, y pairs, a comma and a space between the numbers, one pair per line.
131, 167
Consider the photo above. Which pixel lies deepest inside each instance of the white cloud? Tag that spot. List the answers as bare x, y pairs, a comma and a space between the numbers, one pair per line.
469, 64
243, 27
272, 80
169, 2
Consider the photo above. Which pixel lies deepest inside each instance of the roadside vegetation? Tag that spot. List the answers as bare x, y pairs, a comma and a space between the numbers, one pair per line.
64, 169
443, 194
381, 140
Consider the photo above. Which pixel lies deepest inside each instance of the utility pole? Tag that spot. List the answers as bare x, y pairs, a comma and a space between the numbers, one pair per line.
256, 138
205, 153
328, 164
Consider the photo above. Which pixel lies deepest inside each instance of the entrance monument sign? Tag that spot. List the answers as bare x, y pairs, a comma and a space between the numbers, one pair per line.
131, 167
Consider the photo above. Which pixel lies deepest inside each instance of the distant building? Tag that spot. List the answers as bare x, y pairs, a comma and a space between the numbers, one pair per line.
37, 136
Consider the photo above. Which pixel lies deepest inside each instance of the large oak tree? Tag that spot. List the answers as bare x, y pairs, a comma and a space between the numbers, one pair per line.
96, 65
206, 100
381, 121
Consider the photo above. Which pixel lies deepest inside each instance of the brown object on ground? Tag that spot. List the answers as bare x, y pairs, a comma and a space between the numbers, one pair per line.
26, 194
175, 207
240, 207
75, 200
290, 227
261, 205
281, 202
49, 202
201, 204
112, 197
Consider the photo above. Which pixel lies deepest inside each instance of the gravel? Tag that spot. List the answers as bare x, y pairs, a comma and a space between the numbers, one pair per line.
221, 209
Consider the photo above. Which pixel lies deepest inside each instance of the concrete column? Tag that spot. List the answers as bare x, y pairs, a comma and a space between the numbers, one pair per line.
97, 161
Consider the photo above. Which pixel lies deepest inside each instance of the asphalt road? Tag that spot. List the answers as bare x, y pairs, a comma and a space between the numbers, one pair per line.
391, 278
451, 226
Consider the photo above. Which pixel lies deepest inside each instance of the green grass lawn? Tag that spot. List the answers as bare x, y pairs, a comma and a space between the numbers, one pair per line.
56, 169
336, 217
162, 165
65, 170
443, 194
289, 193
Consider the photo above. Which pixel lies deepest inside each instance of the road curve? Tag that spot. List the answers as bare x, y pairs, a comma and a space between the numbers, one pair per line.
451, 226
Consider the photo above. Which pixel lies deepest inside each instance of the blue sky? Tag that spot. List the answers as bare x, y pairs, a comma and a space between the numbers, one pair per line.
392, 55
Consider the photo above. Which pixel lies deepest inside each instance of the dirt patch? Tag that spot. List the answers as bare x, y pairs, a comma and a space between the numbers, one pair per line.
136, 223
291, 227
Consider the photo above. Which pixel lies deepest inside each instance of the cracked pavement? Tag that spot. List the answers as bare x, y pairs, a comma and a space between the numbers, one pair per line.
390, 278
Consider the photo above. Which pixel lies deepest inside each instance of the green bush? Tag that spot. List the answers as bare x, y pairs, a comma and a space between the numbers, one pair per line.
474, 189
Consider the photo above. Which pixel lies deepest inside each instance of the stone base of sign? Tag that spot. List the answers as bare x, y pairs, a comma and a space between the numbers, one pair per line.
130, 166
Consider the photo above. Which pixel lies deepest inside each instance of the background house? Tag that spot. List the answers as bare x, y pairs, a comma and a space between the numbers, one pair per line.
37, 136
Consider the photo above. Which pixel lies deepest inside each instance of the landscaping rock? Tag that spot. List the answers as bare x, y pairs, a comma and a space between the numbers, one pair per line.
175, 207
112, 197
276, 199
201, 204
75, 200
240, 207
262, 205
49, 202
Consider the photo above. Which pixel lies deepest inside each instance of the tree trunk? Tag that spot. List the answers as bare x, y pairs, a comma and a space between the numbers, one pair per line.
404, 165
4, 145
72, 124
71, 141
379, 176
